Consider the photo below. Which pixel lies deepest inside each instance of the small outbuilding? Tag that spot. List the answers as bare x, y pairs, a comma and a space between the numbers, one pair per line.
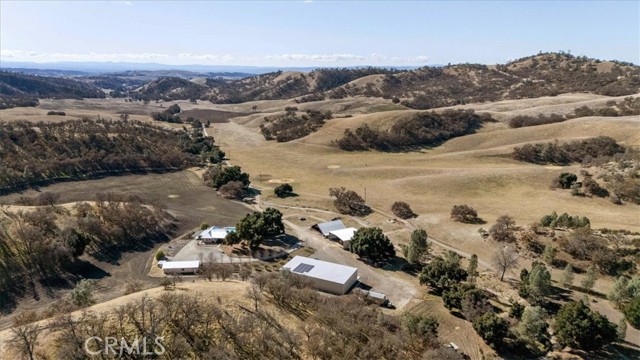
327, 227
343, 236
325, 276
180, 267
215, 234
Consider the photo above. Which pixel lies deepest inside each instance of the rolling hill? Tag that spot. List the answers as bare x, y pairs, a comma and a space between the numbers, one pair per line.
547, 74
22, 85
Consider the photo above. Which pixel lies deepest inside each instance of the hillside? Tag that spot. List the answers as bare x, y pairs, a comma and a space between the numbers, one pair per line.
17, 85
81, 149
531, 77
168, 88
547, 74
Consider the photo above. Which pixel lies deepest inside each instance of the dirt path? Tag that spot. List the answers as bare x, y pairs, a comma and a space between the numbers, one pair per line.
397, 286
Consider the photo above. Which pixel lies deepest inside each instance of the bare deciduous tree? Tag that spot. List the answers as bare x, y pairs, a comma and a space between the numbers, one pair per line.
25, 334
505, 259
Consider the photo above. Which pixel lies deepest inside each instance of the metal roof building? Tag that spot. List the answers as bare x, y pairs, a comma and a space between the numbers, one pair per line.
327, 227
325, 276
181, 267
215, 234
343, 235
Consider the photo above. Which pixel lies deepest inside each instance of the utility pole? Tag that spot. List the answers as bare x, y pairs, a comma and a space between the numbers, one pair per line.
365, 194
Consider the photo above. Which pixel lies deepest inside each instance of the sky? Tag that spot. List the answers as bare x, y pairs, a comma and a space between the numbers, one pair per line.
316, 33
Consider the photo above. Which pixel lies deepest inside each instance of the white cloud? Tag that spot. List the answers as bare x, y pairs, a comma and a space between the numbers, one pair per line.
294, 59
213, 58
316, 57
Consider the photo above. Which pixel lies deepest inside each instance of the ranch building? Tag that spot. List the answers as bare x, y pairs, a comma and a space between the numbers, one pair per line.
325, 276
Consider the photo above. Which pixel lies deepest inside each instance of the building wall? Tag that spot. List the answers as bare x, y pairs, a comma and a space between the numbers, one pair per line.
352, 280
180, 271
334, 287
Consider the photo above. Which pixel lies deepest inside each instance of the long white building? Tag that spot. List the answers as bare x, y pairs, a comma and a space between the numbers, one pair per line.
325, 276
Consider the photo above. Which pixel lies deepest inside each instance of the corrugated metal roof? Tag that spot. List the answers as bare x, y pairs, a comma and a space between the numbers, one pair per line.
326, 228
344, 234
319, 269
191, 264
216, 232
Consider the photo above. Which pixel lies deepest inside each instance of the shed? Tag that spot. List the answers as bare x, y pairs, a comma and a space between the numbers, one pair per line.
325, 276
327, 227
181, 267
344, 236
215, 234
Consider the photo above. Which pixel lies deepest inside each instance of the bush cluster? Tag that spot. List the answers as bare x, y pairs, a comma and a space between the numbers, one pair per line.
576, 151
424, 129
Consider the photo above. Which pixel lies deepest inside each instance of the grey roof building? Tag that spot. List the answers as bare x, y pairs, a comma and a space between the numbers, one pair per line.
325, 276
327, 227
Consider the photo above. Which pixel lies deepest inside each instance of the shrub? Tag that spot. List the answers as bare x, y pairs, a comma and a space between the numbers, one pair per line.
82, 294
516, 310
58, 113
133, 287
283, 190
564, 221
349, 202
565, 180
160, 255
593, 188
465, 214
233, 190
402, 210
632, 312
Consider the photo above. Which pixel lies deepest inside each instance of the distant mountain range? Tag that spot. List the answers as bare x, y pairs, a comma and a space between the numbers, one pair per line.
547, 74
87, 68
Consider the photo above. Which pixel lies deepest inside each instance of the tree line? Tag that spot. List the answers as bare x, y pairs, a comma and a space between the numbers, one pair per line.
581, 151
251, 327
424, 129
629, 106
290, 126
46, 244
15, 85
37, 153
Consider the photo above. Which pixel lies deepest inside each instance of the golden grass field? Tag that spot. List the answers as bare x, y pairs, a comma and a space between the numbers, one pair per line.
474, 170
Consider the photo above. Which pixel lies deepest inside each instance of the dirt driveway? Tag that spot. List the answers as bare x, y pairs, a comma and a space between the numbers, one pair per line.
398, 287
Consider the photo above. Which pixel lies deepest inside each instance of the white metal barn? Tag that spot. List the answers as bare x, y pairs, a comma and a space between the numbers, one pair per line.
327, 227
181, 267
325, 276
344, 236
